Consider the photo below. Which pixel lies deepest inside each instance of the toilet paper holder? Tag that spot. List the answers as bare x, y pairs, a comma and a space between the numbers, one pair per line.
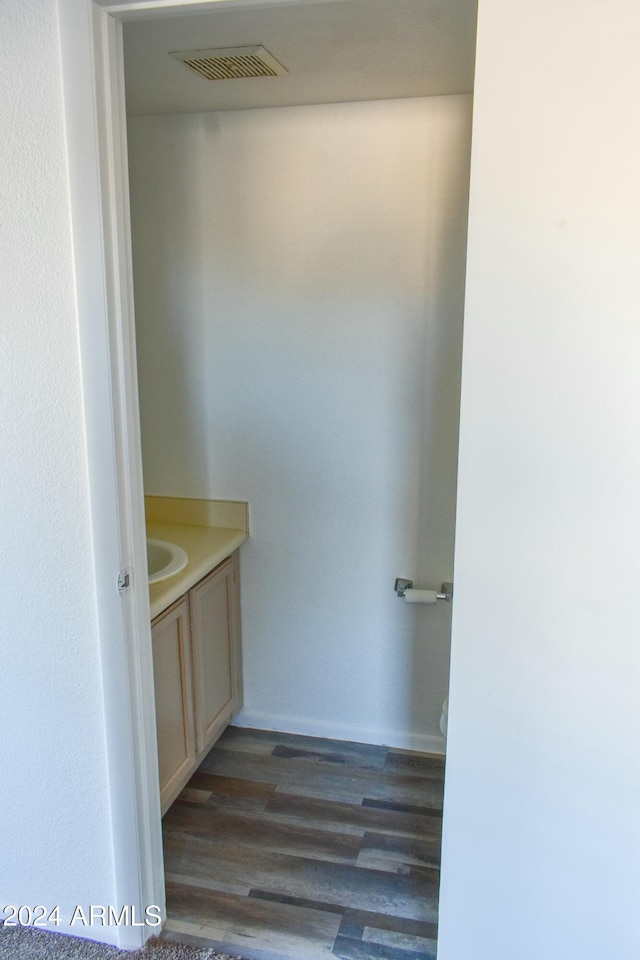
445, 593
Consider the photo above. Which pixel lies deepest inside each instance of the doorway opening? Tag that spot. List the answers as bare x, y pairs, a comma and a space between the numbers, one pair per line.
299, 273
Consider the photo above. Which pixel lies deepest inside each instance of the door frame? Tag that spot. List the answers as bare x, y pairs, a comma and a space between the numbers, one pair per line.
96, 141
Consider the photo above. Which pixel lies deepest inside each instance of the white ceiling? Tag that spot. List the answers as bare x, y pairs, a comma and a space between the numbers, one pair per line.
334, 52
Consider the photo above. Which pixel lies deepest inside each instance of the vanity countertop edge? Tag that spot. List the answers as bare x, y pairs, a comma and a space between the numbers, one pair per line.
205, 545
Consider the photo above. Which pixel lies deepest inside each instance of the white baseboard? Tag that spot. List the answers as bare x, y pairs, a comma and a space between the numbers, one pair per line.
398, 739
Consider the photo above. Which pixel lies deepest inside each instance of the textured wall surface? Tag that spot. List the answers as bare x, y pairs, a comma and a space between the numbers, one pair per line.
54, 836
299, 280
543, 766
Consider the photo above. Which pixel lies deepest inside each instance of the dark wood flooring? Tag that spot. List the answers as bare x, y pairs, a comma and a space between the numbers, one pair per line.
295, 848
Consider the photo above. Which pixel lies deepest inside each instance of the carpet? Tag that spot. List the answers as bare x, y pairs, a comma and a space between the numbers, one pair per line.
29, 943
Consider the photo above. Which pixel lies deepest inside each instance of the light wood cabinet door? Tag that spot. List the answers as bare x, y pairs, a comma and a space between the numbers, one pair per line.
216, 651
173, 681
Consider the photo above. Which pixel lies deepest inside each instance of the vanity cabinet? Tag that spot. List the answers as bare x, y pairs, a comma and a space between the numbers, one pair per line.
197, 665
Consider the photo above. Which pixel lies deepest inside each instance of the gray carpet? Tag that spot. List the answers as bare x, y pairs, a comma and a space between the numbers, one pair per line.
27, 943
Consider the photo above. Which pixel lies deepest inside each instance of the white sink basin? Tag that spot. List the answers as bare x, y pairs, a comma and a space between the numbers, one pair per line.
164, 559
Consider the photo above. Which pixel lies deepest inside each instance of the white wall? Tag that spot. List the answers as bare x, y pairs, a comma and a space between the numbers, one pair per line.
55, 840
299, 280
542, 836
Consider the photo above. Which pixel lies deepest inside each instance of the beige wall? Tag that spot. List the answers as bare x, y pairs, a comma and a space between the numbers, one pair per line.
299, 282
55, 840
542, 846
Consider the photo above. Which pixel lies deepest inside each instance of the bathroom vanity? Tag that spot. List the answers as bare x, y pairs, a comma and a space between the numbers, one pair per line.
197, 655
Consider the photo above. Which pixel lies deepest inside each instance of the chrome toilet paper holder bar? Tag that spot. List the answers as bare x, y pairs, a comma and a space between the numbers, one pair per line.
445, 593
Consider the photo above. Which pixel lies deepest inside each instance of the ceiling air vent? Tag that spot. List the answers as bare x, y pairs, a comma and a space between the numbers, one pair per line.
232, 63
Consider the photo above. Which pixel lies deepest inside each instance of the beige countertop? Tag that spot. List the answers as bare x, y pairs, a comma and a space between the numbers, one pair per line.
205, 546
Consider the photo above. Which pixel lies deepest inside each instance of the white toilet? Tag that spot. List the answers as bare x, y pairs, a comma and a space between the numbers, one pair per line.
444, 716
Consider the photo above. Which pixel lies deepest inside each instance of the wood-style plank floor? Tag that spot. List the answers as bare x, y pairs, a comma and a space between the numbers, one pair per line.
294, 848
